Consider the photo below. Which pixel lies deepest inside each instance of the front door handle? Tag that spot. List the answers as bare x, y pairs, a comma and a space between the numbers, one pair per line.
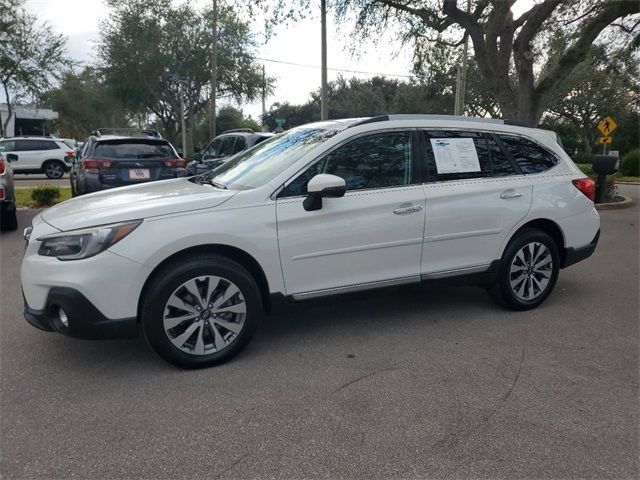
407, 210
511, 194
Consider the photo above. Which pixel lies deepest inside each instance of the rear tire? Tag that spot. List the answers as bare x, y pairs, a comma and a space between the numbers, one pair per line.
200, 311
54, 169
9, 220
528, 271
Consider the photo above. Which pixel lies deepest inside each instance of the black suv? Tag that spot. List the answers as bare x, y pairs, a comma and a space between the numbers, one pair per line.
118, 157
223, 147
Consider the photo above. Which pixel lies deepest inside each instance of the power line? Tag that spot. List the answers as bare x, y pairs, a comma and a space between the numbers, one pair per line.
333, 69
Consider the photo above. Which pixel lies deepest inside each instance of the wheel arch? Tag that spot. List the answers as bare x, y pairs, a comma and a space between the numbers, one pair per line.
233, 253
546, 225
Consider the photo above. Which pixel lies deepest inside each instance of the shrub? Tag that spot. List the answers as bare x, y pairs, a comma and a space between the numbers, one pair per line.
45, 194
630, 164
586, 168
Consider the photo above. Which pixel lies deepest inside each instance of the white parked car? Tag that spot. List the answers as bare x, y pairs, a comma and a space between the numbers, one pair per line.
322, 209
51, 156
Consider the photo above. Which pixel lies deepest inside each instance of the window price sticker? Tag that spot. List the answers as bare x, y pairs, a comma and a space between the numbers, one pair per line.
455, 155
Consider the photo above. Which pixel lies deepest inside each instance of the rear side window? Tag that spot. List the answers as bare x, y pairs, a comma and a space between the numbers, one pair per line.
227, 147
501, 166
240, 145
456, 155
34, 145
530, 156
127, 150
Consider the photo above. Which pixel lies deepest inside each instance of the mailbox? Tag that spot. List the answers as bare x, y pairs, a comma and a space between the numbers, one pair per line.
605, 164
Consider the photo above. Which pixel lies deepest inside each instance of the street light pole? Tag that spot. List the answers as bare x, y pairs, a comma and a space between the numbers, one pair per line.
214, 71
324, 107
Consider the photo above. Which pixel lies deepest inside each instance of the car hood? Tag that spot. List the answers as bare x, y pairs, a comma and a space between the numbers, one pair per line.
139, 201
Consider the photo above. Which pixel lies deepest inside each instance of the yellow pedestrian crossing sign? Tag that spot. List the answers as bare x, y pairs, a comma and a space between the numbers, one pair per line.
606, 140
606, 126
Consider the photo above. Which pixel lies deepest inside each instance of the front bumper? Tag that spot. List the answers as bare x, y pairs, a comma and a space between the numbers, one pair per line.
84, 319
575, 255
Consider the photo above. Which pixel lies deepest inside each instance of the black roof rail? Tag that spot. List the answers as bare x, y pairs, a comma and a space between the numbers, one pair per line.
238, 130
428, 116
128, 132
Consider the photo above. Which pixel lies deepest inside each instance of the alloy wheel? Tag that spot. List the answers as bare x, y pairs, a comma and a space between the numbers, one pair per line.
54, 170
204, 315
531, 271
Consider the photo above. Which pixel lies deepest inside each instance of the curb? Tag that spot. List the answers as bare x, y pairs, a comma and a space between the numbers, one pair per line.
626, 203
627, 183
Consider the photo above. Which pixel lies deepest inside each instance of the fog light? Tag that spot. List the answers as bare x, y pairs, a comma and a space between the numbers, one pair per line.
62, 316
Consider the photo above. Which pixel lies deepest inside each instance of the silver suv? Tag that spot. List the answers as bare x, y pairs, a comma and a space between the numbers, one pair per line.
223, 147
50, 156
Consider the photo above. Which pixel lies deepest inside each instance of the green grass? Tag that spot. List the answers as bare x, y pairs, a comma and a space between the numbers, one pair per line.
23, 196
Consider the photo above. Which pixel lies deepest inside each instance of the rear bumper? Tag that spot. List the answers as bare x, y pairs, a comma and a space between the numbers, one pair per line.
575, 255
84, 319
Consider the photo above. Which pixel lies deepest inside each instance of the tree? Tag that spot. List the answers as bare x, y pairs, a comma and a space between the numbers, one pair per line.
31, 56
603, 84
85, 102
512, 54
153, 53
350, 98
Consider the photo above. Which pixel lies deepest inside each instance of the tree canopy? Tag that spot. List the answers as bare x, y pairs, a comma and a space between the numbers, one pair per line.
512, 54
152, 52
31, 56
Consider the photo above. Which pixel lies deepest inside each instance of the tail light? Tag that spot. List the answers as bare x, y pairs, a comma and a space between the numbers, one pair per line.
70, 153
94, 165
2, 167
587, 186
176, 162
1, 193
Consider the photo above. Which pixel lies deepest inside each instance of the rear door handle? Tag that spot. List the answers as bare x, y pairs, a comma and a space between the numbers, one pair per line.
511, 194
407, 210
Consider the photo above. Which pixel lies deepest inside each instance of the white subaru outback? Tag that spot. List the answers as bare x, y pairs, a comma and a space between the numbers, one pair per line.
322, 209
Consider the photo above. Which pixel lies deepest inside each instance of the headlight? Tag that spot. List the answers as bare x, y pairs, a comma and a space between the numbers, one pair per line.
85, 243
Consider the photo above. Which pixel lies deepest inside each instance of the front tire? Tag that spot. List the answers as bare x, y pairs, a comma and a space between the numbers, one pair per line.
200, 311
528, 271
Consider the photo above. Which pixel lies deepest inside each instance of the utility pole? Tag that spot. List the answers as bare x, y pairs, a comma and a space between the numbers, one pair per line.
214, 71
264, 99
324, 107
461, 74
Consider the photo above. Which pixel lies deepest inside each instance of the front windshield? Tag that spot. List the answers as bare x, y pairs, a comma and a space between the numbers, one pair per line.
261, 164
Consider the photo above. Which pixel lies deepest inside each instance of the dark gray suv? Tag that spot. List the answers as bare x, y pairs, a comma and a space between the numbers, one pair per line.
223, 147
123, 157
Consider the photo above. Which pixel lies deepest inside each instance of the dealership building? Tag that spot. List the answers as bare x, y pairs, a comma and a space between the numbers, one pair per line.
27, 120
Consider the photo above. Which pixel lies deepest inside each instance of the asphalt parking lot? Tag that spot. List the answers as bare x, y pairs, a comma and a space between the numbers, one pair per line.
426, 381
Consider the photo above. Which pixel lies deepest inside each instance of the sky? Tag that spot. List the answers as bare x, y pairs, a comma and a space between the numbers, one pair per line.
79, 20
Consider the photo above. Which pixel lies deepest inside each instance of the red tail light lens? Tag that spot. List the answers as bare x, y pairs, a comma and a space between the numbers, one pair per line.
178, 162
587, 186
2, 167
1, 193
94, 165
70, 153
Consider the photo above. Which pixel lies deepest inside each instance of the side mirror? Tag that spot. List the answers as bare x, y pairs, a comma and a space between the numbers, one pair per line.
198, 157
11, 157
322, 186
